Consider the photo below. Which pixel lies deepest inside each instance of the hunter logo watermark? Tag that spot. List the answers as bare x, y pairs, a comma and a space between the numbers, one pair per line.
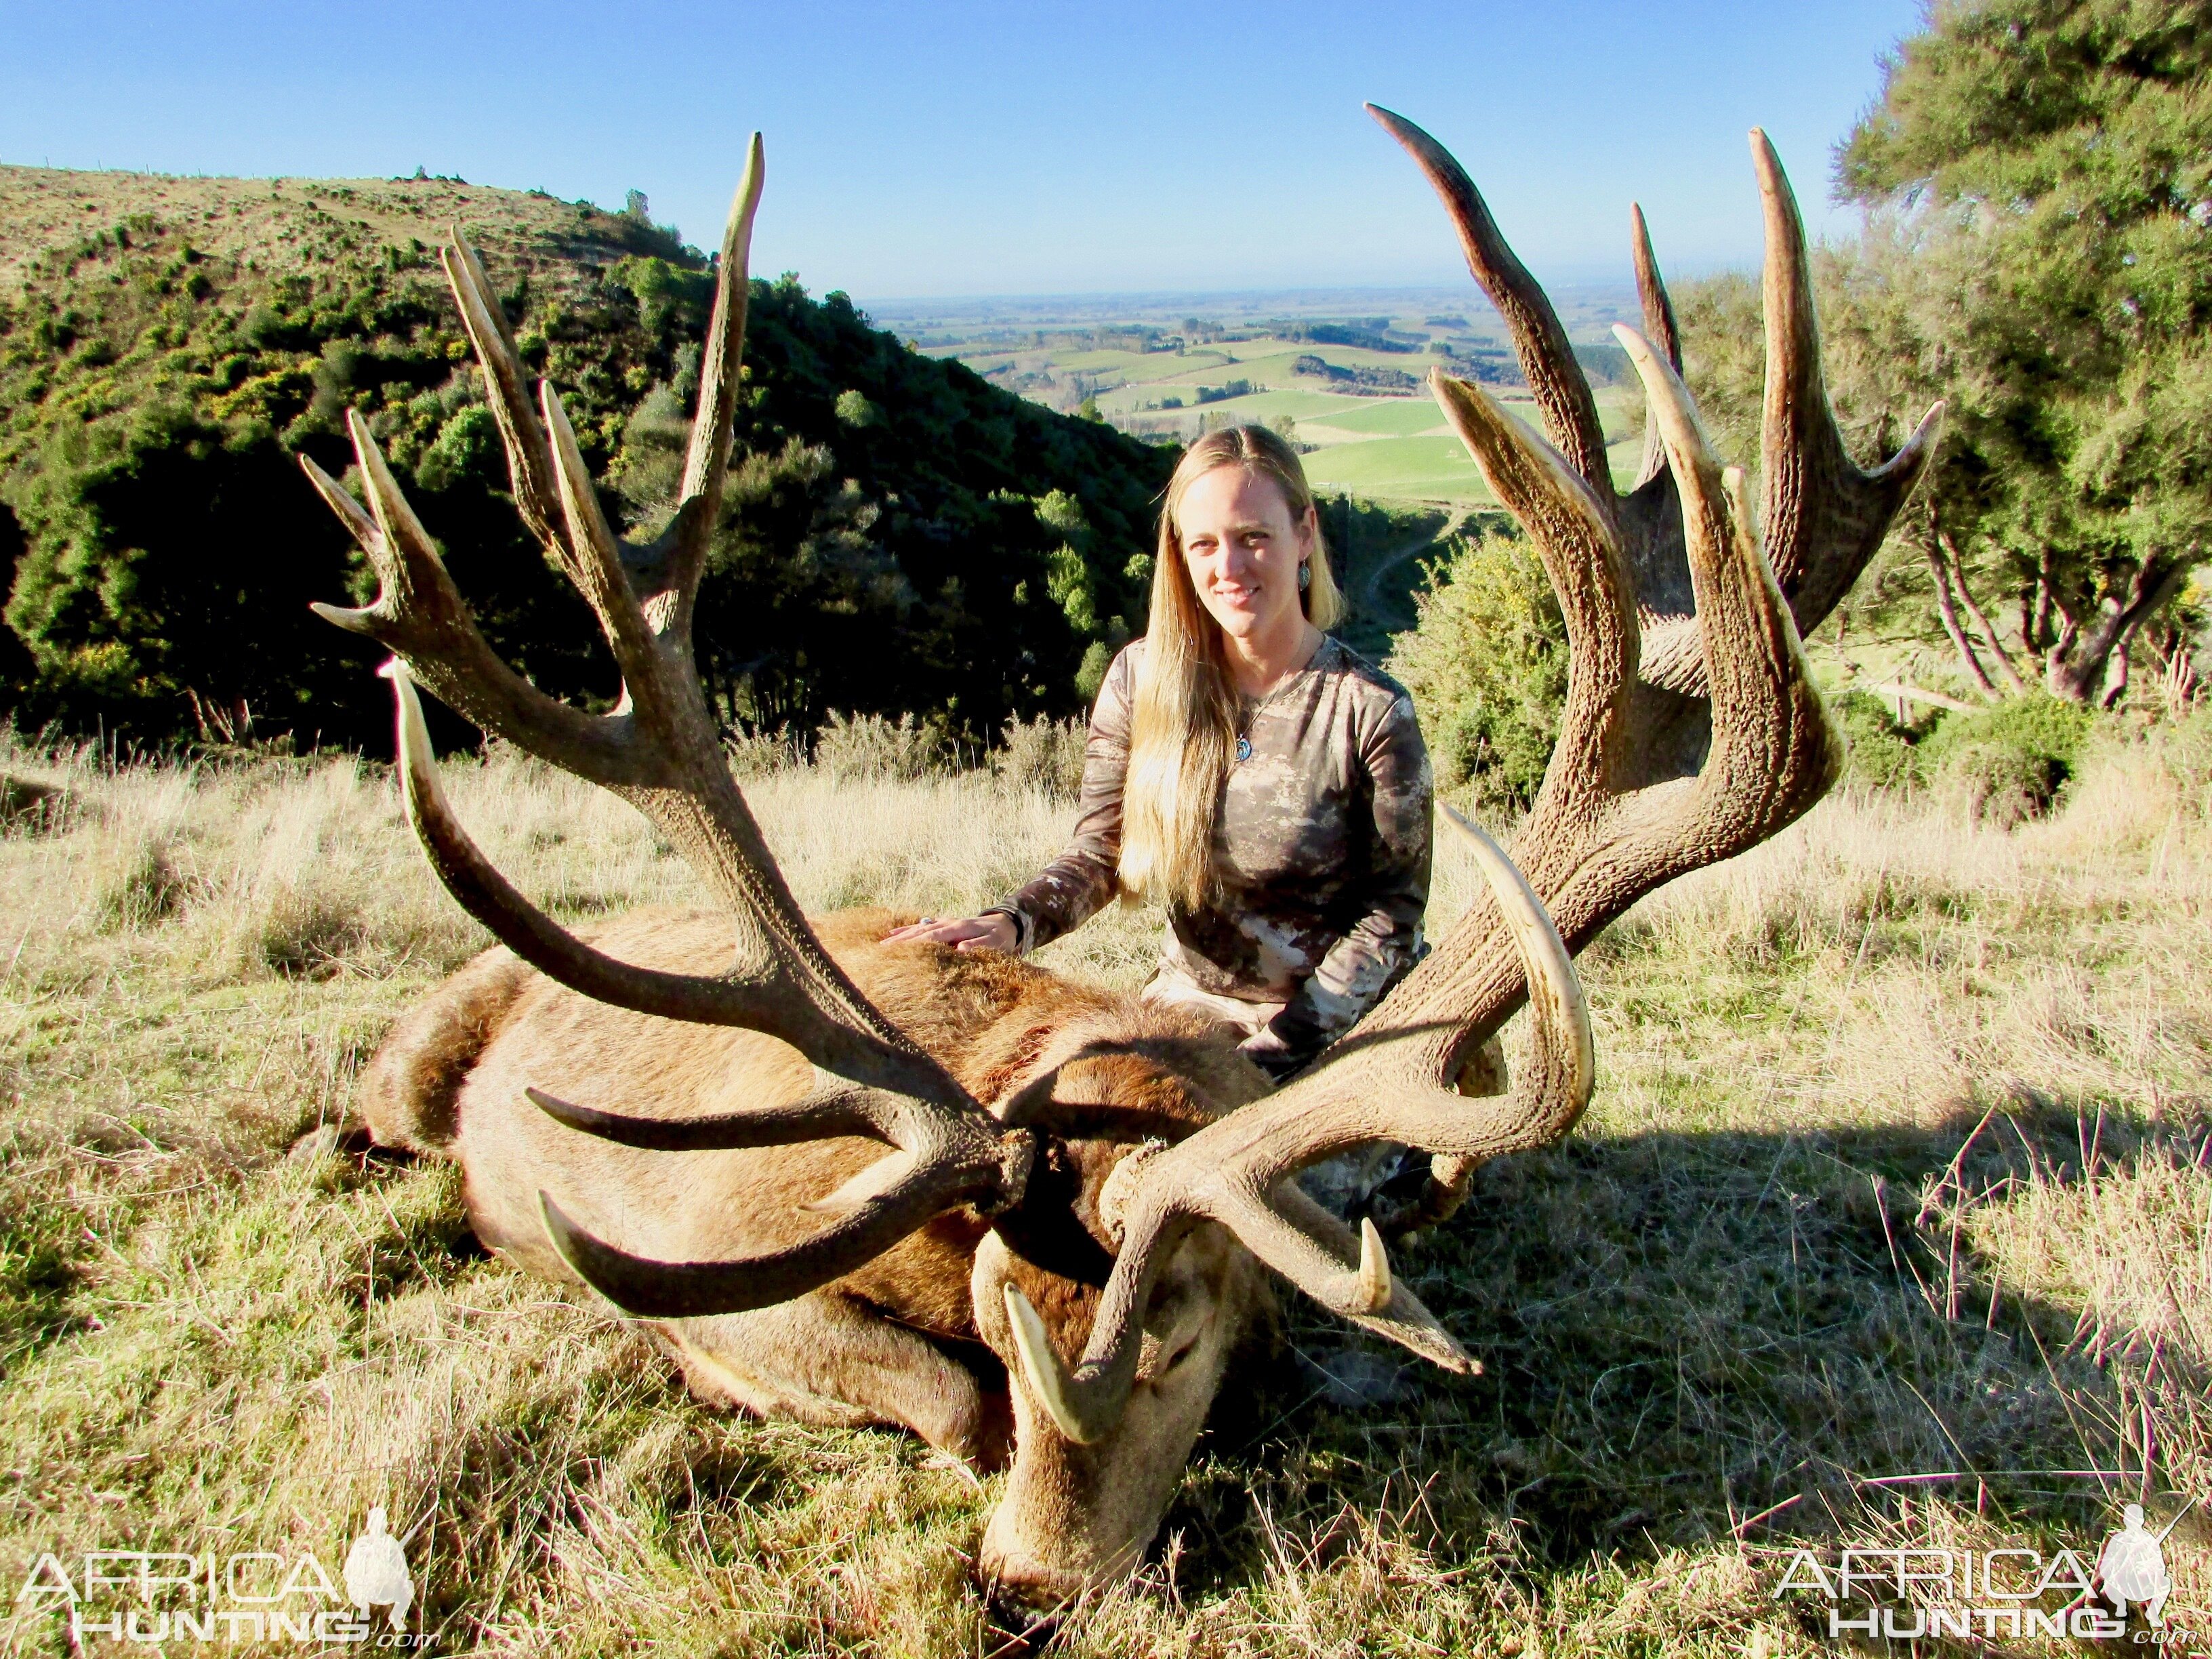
1903, 1594
150, 1596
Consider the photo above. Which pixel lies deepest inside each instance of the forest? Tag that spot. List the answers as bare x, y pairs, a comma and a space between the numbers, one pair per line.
899, 536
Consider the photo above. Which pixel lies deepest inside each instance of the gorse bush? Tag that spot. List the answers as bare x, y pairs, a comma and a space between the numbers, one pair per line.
869, 749
1879, 752
2001, 765
1041, 754
2006, 764
1487, 666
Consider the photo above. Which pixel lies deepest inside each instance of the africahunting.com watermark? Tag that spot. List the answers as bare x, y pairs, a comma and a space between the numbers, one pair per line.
2009, 1595
153, 1597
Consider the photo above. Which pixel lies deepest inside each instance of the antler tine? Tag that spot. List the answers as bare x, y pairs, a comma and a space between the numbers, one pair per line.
1561, 390
1574, 537
1238, 1171
419, 613
707, 464
1659, 324
834, 1109
676, 561
948, 1170
591, 555
1773, 753
529, 463
1659, 327
1825, 517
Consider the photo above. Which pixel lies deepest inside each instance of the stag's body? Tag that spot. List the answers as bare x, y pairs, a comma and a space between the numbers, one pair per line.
899, 1340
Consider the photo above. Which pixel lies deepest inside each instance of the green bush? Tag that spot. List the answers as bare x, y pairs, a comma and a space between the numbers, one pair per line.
1042, 754
1486, 663
2008, 763
1879, 752
870, 748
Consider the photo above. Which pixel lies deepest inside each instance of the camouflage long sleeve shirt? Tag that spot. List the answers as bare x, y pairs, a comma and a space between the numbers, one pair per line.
1322, 841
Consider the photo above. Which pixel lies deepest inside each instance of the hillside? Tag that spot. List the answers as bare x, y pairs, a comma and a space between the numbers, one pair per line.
899, 535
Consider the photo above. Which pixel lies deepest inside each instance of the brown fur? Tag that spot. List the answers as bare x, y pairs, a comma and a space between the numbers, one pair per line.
410, 1093
902, 1340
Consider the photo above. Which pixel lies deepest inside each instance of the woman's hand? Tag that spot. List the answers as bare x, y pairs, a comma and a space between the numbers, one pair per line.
992, 932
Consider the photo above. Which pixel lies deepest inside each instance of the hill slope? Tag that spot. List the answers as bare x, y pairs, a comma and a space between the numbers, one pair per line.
899, 534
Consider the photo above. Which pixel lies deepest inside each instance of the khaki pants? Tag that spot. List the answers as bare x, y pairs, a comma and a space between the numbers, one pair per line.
1170, 988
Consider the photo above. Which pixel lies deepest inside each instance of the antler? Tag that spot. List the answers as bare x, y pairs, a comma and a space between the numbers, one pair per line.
1238, 1171
658, 750
1691, 733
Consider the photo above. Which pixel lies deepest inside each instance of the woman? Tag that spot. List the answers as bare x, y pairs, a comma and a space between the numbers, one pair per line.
1264, 783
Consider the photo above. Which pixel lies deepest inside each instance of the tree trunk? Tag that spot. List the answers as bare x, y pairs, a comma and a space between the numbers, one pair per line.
2078, 663
2037, 640
1941, 571
2115, 674
2008, 670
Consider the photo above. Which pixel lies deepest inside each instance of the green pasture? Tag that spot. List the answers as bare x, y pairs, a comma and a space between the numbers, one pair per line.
1403, 469
1388, 417
1298, 404
1388, 447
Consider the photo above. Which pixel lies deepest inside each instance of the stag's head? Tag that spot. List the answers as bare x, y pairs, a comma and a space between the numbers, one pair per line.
1123, 1263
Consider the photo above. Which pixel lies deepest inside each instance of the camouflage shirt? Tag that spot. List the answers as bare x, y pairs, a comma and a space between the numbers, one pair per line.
1322, 842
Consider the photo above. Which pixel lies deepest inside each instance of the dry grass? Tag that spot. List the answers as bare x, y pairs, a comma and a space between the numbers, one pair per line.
1898, 1169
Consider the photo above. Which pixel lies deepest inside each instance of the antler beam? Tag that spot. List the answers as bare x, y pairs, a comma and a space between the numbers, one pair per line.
658, 750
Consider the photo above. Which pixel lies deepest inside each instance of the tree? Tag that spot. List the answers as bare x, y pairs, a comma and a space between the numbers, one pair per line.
2040, 171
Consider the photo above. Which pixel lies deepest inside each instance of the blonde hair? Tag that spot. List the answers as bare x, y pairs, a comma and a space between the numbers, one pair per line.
1183, 728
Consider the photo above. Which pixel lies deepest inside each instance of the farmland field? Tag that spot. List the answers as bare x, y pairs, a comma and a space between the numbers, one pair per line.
1345, 382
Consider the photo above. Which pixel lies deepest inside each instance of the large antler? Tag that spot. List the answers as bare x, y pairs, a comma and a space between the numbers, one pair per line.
658, 750
1691, 733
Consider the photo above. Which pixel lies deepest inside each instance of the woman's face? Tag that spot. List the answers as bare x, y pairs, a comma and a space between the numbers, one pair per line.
1244, 549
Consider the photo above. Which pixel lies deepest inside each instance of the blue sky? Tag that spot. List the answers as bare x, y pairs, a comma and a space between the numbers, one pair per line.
998, 149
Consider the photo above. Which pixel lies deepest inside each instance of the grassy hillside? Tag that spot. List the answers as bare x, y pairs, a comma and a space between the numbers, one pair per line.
899, 535
1888, 1221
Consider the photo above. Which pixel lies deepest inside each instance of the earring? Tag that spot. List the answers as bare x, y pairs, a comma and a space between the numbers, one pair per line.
1305, 576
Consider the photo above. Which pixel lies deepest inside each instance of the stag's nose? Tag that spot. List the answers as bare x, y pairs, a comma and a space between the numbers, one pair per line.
1024, 1582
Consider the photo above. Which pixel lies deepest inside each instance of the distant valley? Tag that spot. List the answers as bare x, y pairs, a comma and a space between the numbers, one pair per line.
1340, 371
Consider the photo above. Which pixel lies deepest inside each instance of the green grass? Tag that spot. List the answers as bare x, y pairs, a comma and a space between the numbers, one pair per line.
1415, 469
1300, 405
1898, 1166
1411, 455
1390, 417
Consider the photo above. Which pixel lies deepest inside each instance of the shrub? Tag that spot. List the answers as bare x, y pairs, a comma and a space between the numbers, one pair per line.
1486, 663
1042, 754
2008, 763
756, 753
870, 748
1879, 753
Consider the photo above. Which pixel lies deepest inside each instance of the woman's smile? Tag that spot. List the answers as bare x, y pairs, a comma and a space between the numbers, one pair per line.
1244, 547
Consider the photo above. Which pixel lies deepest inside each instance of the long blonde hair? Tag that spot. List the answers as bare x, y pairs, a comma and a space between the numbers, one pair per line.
1182, 729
